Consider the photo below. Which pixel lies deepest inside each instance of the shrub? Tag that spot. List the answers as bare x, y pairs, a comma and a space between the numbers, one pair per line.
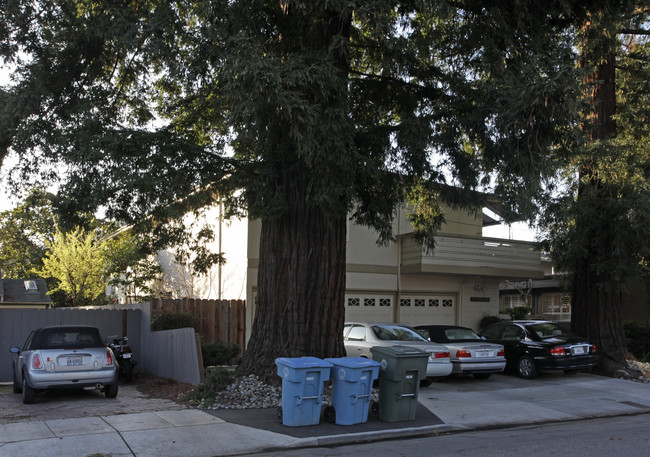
519, 312
488, 320
170, 321
218, 353
206, 393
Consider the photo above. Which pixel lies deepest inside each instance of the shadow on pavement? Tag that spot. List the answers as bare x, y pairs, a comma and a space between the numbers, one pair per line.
266, 419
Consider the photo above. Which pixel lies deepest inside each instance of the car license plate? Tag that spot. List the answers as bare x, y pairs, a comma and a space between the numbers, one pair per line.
126, 355
578, 350
74, 361
483, 353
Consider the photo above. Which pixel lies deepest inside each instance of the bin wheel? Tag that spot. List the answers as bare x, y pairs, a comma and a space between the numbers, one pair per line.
374, 409
278, 414
329, 414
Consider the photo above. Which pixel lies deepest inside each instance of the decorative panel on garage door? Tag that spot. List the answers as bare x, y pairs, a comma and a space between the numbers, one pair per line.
368, 308
427, 309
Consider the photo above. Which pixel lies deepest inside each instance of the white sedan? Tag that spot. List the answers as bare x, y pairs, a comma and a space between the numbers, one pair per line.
470, 354
358, 338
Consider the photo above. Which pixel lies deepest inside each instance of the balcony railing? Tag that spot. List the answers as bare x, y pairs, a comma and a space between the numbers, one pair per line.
473, 256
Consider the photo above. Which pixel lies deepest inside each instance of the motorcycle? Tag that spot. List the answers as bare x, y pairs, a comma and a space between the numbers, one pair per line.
123, 355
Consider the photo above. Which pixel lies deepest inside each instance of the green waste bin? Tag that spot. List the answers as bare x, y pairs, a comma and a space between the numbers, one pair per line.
402, 368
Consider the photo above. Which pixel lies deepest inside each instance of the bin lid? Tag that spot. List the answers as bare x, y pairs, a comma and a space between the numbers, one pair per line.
354, 362
399, 351
302, 362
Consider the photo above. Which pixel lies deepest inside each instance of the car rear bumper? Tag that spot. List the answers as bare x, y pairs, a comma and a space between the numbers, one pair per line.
478, 367
435, 370
550, 364
50, 380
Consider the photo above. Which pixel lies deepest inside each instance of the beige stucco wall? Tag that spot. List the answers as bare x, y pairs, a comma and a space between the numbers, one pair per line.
373, 269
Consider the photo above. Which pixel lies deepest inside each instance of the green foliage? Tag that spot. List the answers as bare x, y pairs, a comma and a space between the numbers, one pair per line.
637, 336
170, 321
519, 312
75, 260
218, 353
24, 232
215, 381
488, 320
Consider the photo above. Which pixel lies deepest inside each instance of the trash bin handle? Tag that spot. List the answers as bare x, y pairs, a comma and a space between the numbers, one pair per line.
299, 399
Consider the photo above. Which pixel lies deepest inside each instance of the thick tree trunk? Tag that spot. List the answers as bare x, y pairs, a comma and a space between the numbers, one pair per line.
595, 307
301, 287
301, 278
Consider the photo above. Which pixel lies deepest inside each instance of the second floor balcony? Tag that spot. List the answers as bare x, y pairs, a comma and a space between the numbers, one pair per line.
461, 255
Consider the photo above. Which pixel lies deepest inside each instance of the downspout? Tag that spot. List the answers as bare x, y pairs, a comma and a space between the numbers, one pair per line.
219, 265
399, 266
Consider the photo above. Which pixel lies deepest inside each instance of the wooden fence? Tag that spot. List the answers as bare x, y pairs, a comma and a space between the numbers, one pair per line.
216, 321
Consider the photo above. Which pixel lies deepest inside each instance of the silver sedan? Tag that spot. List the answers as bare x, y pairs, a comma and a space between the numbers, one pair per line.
359, 337
63, 357
470, 354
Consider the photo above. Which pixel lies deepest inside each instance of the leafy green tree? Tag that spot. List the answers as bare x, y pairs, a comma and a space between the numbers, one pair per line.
24, 232
75, 259
128, 265
297, 113
598, 231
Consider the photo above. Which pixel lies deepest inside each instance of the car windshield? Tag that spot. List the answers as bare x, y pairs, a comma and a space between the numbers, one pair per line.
546, 330
396, 333
460, 334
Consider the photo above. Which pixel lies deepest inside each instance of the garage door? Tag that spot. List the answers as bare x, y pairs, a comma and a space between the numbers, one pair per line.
368, 308
427, 309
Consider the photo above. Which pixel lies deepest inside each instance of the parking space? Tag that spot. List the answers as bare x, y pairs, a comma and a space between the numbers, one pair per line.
52, 405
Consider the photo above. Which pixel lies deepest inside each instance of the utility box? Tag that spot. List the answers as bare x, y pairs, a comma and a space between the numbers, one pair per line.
302, 389
402, 368
352, 379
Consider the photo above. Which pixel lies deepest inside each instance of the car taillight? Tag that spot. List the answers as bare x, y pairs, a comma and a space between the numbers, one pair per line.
109, 357
440, 355
36, 362
558, 351
501, 353
593, 348
463, 353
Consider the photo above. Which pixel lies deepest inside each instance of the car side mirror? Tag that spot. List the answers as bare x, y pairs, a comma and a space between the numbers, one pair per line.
14, 350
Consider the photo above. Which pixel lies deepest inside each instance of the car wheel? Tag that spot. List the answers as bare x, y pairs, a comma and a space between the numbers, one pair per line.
570, 371
526, 367
111, 390
17, 387
426, 382
329, 414
29, 394
482, 375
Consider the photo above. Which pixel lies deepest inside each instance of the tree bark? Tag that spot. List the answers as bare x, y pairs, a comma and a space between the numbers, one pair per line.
300, 308
301, 288
595, 299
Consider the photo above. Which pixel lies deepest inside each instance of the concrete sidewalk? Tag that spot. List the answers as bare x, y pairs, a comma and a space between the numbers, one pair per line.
454, 404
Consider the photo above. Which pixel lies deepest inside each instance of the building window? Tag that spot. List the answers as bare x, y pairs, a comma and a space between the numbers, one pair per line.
510, 301
384, 302
354, 301
558, 304
447, 303
434, 302
405, 302
419, 302
369, 301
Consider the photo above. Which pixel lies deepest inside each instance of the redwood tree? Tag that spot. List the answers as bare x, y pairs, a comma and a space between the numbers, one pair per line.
298, 113
599, 230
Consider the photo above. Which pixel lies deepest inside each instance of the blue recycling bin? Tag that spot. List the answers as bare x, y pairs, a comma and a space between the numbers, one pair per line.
302, 389
351, 389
